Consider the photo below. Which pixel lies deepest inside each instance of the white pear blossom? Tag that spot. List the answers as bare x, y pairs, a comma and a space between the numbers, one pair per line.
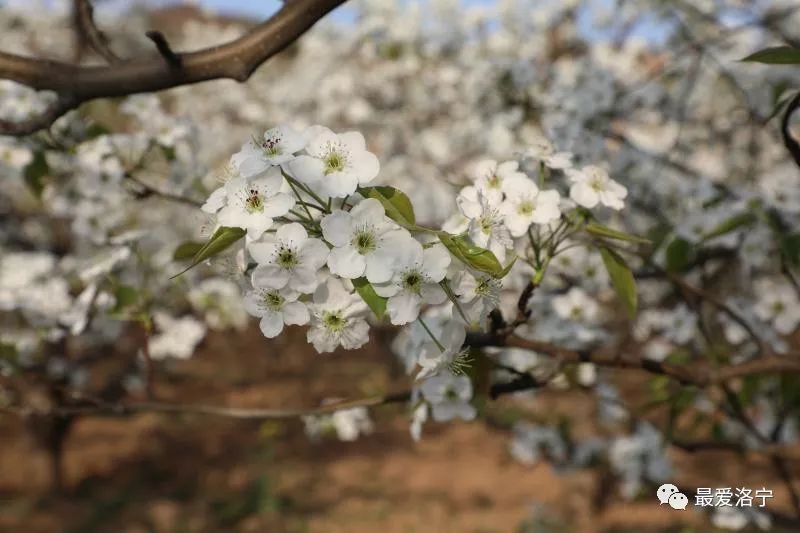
487, 228
215, 201
415, 281
418, 419
252, 203
529, 441
592, 185
347, 424
491, 177
337, 318
275, 307
177, 337
576, 305
278, 147
449, 396
777, 304
477, 294
525, 204
365, 242
334, 165
220, 302
447, 351
289, 258
542, 150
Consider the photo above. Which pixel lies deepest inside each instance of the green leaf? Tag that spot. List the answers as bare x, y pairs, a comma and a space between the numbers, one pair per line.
732, 224
503, 273
126, 297
680, 253
621, 277
780, 104
8, 351
790, 248
168, 151
599, 230
778, 55
397, 205
186, 250
370, 297
474, 256
35, 172
223, 238
95, 130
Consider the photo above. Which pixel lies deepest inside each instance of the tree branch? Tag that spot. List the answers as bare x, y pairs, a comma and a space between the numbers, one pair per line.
700, 374
791, 144
236, 60
89, 32
164, 48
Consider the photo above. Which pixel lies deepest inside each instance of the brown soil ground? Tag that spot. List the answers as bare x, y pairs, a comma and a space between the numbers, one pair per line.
167, 473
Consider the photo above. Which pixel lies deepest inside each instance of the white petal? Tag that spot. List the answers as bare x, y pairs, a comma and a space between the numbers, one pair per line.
386, 289
293, 233
252, 304
379, 268
269, 181
584, 195
436, 260
519, 185
304, 279
467, 201
355, 335
403, 308
322, 341
292, 141
295, 313
257, 224
215, 201
278, 205
236, 187
353, 140
516, 223
433, 294
271, 324
306, 169
263, 251
271, 276
368, 211
365, 165
253, 165
347, 262
453, 336
319, 138
233, 217
313, 253
337, 228
484, 169
338, 184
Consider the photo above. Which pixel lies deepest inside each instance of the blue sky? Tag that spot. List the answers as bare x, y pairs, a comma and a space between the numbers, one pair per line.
650, 30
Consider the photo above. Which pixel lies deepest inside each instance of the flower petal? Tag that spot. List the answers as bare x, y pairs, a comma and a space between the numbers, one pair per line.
346, 262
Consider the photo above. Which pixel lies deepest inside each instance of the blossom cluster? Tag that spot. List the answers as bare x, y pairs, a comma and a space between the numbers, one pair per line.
325, 246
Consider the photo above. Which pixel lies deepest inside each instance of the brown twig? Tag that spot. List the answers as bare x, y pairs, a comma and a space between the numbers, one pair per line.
236, 60
791, 144
164, 48
90, 33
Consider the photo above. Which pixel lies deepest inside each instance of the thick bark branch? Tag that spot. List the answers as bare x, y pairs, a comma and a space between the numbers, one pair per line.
236, 60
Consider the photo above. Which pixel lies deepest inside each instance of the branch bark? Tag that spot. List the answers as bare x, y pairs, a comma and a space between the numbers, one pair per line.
90, 33
235, 60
